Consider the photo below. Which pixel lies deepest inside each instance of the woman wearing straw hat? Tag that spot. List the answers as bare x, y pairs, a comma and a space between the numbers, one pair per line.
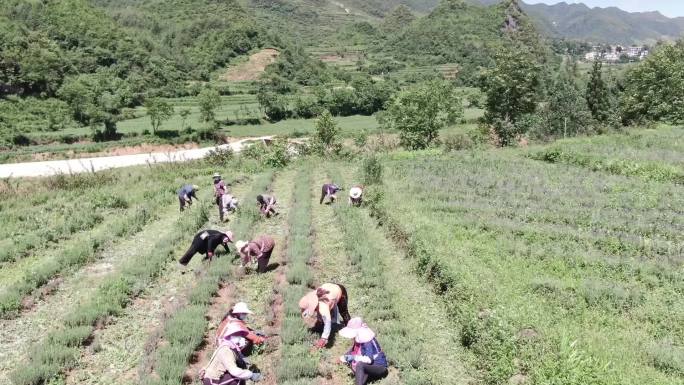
365, 358
219, 190
321, 305
206, 242
355, 196
228, 365
258, 250
185, 195
237, 317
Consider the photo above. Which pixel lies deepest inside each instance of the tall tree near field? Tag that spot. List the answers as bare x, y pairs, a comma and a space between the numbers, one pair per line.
327, 139
654, 90
566, 113
158, 111
418, 113
209, 100
184, 113
511, 89
598, 98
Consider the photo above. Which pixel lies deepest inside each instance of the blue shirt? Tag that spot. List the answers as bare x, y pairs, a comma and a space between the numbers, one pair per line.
186, 190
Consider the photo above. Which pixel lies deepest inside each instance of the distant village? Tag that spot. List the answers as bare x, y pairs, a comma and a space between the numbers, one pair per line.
616, 53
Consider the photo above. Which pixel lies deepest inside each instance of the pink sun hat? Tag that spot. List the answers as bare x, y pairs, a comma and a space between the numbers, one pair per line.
358, 331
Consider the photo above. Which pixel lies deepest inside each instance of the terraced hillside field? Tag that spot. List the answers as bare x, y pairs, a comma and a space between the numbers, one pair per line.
473, 267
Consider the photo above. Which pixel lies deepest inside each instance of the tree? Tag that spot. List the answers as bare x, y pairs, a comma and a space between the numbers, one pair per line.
654, 89
209, 100
566, 113
598, 99
511, 89
97, 100
419, 112
327, 137
158, 110
184, 113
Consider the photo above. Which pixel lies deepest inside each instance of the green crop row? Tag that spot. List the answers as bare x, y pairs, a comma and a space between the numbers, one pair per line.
656, 171
297, 364
403, 351
75, 253
60, 349
185, 329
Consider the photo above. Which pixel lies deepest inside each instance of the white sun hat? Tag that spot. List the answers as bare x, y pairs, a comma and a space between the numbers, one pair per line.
240, 245
355, 192
241, 308
229, 235
358, 331
217, 175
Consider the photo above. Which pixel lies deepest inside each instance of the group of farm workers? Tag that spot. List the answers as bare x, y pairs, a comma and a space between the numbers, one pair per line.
320, 309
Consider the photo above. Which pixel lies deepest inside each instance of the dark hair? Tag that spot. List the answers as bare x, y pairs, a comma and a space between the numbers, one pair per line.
260, 198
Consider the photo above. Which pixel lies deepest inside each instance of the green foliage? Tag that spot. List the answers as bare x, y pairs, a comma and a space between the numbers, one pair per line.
371, 170
597, 94
159, 111
572, 366
653, 89
209, 100
565, 114
327, 137
511, 89
419, 112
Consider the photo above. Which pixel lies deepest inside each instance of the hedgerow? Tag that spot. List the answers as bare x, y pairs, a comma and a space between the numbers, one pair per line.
185, 329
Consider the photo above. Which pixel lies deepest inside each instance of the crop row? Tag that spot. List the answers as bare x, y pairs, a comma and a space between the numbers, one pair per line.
504, 242
647, 169
184, 331
405, 352
297, 364
75, 253
60, 348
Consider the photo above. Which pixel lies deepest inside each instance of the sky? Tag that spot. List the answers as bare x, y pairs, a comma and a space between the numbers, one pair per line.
670, 8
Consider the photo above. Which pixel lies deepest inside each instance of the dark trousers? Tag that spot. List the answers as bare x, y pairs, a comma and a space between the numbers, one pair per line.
226, 379
365, 372
263, 261
343, 305
219, 203
185, 259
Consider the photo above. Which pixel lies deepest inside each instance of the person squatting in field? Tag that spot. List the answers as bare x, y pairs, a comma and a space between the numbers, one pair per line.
257, 251
356, 196
237, 317
228, 366
365, 358
266, 205
229, 203
220, 189
185, 195
206, 242
320, 306
329, 190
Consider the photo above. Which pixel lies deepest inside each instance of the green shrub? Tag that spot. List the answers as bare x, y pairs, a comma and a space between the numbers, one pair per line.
372, 170
667, 357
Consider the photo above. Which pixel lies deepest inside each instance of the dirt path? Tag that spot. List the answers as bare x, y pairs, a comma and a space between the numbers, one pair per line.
74, 166
47, 312
119, 351
253, 68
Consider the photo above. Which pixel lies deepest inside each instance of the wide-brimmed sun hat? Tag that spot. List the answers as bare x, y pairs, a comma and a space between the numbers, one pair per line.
241, 308
195, 187
308, 304
240, 245
355, 192
229, 235
216, 175
234, 329
357, 330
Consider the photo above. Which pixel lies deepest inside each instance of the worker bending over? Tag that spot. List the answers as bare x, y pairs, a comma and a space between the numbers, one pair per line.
329, 190
219, 190
356, 196
365, 358
237, 317
185, 195
266, 205
320, 306
206, 242
229, 203
257, 251
228, 366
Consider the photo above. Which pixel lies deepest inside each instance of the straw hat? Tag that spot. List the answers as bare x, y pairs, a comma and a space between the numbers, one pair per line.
229, 235
234, 329
241, 308
355, 192
308, 304
195, 187
240, 245
357, 330
216, 175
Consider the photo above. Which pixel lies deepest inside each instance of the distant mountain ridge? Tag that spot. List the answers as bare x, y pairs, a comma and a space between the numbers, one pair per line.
601, 25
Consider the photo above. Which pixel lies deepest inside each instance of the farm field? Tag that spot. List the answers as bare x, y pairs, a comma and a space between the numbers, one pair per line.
522, 269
